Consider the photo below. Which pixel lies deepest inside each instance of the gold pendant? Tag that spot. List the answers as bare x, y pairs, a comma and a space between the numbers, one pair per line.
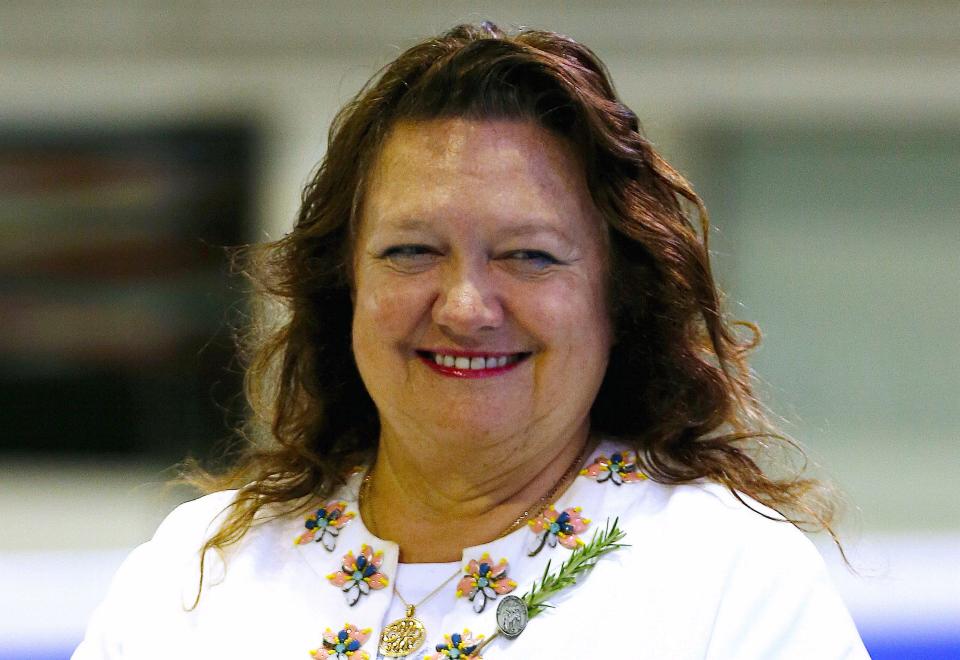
403, 636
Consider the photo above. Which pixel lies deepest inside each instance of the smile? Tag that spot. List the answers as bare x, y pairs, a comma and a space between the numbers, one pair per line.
471, 365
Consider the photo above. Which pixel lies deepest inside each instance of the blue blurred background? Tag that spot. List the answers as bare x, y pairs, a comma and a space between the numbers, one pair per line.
139, 138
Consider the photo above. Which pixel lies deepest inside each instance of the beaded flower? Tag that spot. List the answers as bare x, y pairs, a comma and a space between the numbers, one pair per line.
620, 468
343, 645
324, 525
360, 574
550, 527
484, 581
457, 646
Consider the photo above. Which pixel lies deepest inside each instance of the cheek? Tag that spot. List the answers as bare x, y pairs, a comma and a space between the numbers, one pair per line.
374, 335
580, 340
574, 317
385, 312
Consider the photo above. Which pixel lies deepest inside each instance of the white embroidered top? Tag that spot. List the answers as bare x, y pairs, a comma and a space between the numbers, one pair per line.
703, 577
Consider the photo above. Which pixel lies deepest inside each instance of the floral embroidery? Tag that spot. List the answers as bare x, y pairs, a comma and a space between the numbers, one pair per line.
550, 527
457, 646
344, 645
485, 581
358, 575
620, 468
324, 525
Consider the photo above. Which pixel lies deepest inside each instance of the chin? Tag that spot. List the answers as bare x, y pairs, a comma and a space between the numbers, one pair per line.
473, 430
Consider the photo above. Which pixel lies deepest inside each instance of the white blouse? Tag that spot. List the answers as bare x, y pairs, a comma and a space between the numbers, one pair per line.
703, 577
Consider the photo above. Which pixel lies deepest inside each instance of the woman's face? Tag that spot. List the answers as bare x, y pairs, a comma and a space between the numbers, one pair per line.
480, 308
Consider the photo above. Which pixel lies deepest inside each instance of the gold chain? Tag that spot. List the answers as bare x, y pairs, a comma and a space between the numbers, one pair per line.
412, 608
547, 499
407, 634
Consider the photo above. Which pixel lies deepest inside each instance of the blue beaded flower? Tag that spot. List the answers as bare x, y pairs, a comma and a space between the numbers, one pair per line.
359, 574
457, 646
551, 527
484, 581
619, 469
323, 526
343, 645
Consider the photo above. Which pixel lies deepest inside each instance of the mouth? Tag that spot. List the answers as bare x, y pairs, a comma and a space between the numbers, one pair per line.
471, 364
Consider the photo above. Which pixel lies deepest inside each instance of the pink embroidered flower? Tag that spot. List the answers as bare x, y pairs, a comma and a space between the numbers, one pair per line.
620, 468
462, 647
324, 525
550, 527
343, 645
358, 575
485, 581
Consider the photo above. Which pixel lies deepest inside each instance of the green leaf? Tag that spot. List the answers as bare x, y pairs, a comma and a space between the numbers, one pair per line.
580, 560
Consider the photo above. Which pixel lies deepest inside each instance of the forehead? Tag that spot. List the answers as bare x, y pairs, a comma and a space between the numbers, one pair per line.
446, 142
496, 169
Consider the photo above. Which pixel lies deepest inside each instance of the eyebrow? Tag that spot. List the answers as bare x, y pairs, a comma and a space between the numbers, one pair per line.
408, 224
524, 229
533, 228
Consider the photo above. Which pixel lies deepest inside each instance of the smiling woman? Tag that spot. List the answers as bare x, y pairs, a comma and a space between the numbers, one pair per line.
504, 351
503, 262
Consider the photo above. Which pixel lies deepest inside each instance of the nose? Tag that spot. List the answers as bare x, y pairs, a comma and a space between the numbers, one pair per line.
469, 302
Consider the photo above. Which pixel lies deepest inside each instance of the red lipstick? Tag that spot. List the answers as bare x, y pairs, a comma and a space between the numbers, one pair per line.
509, 360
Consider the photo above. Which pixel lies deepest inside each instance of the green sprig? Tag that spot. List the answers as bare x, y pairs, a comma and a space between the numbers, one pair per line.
580, 560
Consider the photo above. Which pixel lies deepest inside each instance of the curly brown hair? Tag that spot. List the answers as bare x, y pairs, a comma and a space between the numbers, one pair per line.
677, 386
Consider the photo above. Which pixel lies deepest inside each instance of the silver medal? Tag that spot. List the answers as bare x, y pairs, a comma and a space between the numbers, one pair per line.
512, 616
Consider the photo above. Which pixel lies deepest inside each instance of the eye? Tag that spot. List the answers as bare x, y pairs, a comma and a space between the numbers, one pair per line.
537, 259
410, 257
406, 251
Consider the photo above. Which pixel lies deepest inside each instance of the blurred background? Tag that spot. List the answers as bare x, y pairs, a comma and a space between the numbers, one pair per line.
139, 138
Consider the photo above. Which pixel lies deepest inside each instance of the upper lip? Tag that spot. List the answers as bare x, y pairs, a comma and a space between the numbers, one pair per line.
459, 352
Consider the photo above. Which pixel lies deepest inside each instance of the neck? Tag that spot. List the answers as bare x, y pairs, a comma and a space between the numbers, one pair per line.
433, 505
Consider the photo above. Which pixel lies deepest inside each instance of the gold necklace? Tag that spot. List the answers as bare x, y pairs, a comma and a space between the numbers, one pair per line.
547, 499
407, 634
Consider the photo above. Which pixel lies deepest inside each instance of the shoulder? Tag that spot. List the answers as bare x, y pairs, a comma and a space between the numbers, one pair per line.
747, 552
152, 588
195, 520
700, 512
761, 587
173, 553
714, 534
157, 586
708, 509
701, 532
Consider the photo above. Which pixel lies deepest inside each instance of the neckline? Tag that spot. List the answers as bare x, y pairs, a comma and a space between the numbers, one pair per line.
508, 545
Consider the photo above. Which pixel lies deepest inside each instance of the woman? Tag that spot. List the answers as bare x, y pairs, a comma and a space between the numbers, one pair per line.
500, 311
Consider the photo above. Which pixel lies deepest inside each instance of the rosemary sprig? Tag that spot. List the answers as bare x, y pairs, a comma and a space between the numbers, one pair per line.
582, 559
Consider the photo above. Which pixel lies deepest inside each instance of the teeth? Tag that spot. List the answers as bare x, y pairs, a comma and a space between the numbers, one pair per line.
463, 362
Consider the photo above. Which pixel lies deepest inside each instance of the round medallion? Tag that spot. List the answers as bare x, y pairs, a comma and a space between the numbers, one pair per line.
512, 616
402, 637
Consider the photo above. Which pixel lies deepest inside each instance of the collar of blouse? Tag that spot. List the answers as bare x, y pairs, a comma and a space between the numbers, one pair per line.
355, 569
